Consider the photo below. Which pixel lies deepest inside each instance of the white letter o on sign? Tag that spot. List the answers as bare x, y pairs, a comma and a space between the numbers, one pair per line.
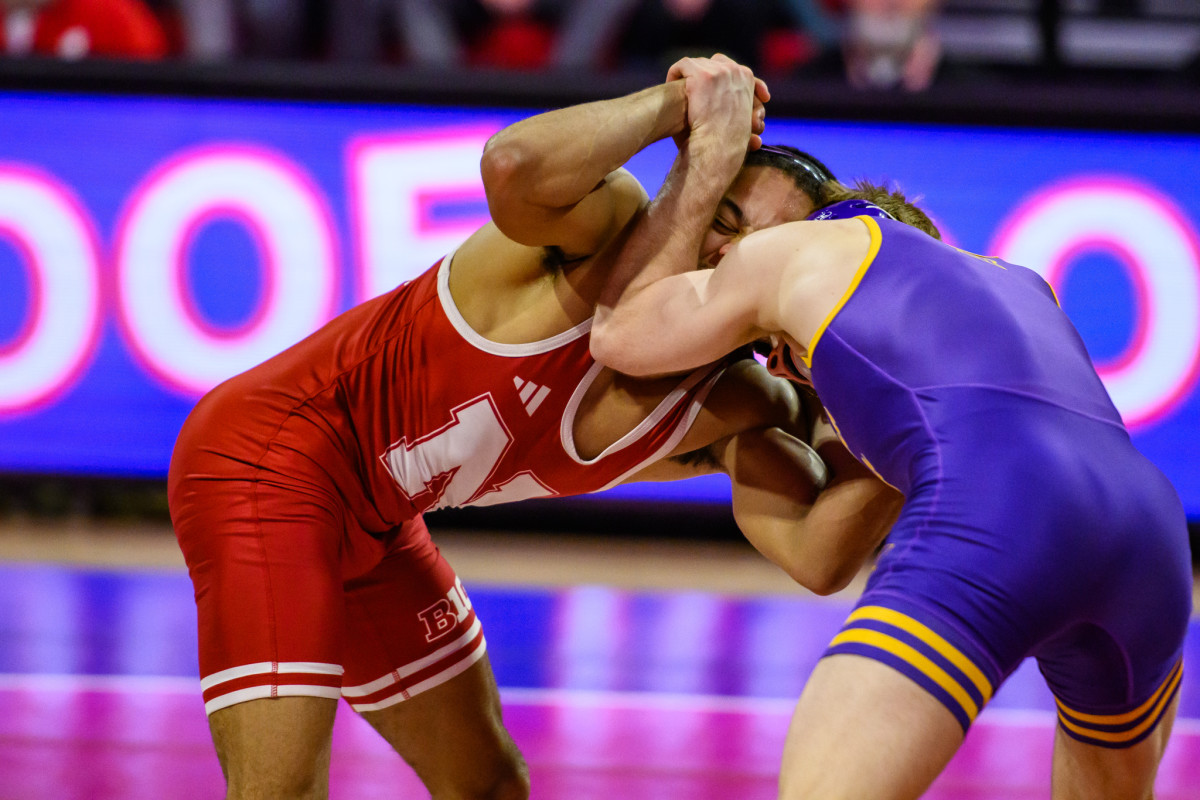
1154, 240
60, 255
289, 220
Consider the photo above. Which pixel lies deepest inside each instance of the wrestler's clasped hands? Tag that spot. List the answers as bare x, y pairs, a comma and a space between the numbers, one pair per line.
724, 99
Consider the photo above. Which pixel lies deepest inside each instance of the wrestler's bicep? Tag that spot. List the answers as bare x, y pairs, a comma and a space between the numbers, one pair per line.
579, 229
693, 464
746, 397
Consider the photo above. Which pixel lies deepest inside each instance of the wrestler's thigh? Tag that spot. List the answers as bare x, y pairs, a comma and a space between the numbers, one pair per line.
1087, 772
417, 670
264, 559
862, 729
276, 747
454, 738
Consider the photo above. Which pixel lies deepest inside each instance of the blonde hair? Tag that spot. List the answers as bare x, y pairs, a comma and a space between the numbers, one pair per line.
891, 200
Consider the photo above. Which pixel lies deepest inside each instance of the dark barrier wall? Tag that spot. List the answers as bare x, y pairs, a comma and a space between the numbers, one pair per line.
164, 228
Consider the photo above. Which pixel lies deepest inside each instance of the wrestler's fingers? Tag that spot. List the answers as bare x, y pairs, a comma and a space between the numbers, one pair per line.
684, 67
759, 84
761, 92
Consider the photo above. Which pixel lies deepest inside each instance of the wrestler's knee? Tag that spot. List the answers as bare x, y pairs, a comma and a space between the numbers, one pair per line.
508, 778
494, 773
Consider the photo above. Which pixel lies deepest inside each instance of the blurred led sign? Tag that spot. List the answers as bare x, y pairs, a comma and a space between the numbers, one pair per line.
150, 248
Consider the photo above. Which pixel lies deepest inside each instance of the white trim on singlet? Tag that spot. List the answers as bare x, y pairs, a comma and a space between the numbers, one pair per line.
268, 667
487, 345
677, 435
473, 655
567, 426
263, 692
413, 667
275, 688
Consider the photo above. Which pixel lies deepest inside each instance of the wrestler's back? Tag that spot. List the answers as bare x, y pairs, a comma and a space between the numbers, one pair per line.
961, 382
927, 321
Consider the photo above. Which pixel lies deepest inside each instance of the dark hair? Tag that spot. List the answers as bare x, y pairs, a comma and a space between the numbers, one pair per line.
808, 173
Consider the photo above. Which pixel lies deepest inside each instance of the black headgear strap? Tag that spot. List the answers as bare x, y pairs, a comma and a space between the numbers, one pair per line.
816, 171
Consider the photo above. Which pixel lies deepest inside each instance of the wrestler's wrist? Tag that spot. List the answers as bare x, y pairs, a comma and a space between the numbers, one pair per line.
712, 157
670, 109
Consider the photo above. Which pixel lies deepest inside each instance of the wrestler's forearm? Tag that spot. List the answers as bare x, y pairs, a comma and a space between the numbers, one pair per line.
853, 528
852, 515
666, 240
821, 549
820, 539
775, 481
553, 160
652, 285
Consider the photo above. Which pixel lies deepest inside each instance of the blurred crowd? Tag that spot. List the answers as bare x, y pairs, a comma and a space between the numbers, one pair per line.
875, 42
872, 43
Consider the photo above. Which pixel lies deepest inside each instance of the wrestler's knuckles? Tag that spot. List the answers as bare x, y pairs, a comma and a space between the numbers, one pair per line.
706, 76
722, 95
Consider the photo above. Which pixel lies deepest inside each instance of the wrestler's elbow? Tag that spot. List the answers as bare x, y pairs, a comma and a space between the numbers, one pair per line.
815, 569
818, 575
501, 162
613, 347
603, 344
825, 580
822, 566
506, 169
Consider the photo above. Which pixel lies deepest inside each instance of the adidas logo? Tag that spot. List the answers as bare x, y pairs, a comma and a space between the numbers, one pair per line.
532, 395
